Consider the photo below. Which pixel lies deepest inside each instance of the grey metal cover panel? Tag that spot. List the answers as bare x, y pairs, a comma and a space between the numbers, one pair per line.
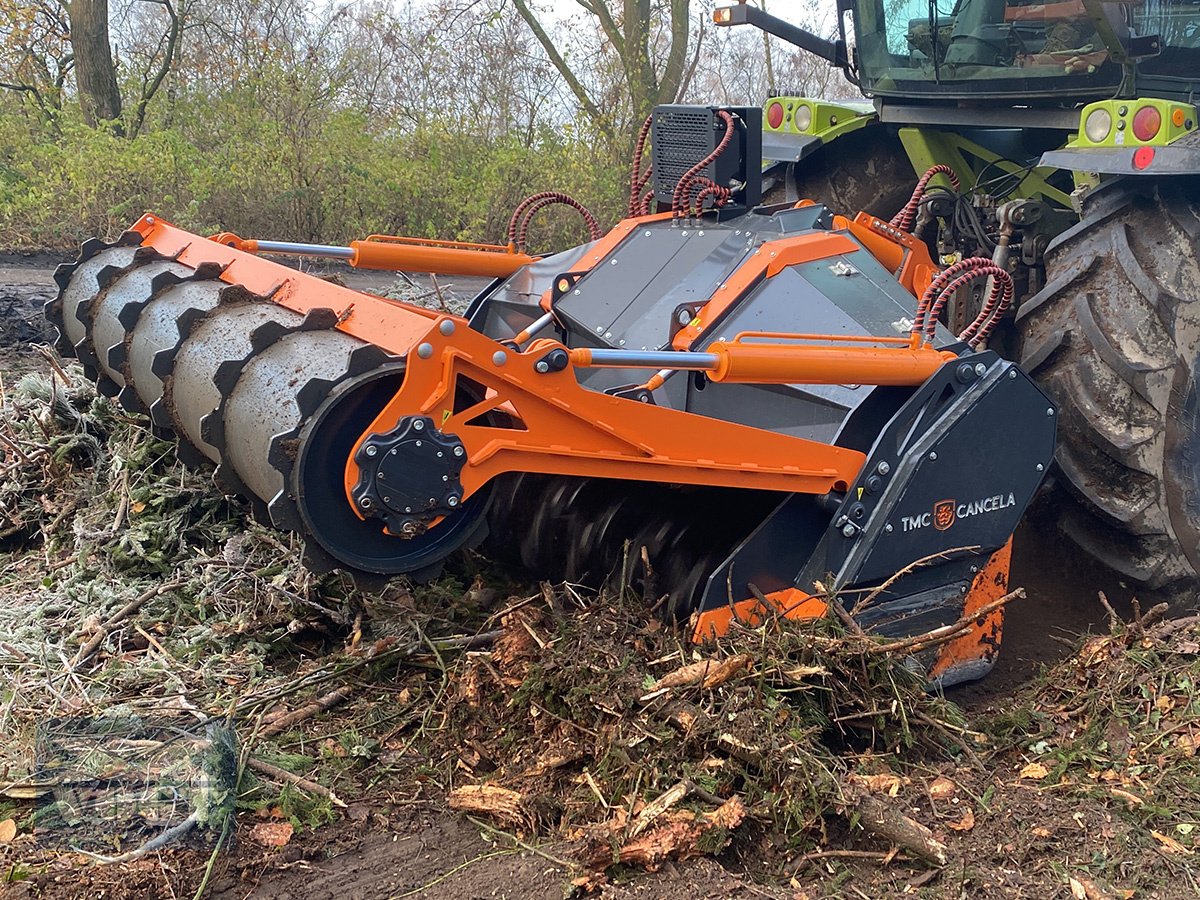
627, 300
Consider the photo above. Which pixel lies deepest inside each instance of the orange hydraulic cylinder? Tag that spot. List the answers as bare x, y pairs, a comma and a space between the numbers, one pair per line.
440, 259
753, 363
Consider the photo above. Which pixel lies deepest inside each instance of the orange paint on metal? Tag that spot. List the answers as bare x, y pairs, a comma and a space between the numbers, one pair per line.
753, 363
405, 254
983, 640
846, 362
768, 260
791, 603
571, 430
901, 253
391, 324
439, 257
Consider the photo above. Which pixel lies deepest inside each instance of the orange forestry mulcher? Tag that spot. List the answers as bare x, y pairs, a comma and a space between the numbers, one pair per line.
752, 399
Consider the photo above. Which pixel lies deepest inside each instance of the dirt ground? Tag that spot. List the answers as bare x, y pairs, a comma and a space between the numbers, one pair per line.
397, 838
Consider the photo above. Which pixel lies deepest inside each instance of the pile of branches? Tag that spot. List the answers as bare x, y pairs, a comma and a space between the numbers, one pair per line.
588, 721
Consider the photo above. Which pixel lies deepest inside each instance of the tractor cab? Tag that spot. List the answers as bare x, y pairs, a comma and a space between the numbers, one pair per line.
1067, 50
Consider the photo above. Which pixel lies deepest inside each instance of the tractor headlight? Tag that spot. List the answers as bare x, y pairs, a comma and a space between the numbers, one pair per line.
803, 117
1097, 125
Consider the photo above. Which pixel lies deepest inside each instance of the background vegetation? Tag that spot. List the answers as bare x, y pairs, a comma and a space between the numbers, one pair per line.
325, 121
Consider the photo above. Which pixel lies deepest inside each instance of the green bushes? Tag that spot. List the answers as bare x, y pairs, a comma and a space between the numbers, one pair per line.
279, 160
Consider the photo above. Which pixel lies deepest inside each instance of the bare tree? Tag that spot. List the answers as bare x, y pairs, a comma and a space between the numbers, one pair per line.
650, 41
95, 73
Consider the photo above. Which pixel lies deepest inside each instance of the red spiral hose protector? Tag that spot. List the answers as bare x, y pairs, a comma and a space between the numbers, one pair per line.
904, 219
638, 179
532, 205
939, 282
683, 188
644, 205
707, 188
997, 301
515, 221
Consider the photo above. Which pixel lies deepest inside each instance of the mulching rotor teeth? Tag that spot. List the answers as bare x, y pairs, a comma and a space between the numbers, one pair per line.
313, 394
108, 387
284, 514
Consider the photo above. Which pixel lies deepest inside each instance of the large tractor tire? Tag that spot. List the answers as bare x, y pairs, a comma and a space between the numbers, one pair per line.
1114, 339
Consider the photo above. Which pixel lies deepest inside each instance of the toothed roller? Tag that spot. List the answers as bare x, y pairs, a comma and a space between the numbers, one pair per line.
108, 332
80, 283
221, 343
154, 339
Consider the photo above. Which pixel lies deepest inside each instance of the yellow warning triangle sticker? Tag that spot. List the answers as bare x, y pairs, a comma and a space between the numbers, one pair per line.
860, 490
446, 415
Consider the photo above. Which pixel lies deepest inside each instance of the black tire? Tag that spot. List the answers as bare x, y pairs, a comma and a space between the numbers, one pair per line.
866, 170
1114, 339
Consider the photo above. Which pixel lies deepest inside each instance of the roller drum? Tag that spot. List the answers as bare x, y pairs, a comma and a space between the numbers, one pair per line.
85, 286
107, 332
266, 403
160, 329
222, 343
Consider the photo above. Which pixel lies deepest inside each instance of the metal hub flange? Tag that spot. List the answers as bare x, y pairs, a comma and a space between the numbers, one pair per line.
409, 476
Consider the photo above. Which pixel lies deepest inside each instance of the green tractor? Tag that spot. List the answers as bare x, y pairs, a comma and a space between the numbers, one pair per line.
1072, 134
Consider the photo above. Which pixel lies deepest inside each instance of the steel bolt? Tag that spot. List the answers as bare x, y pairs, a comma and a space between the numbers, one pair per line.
612, 262
425, 350
883, 468
576, 292
542, 366
419, 425
452, 501
646, 233
848, 530
888, 529
932, 455
980, 369
458, 451
371, 450
387, 499
1040, 467
365, 502
445, 478
499, 358
408, 509
440, 454
1050, 411
1012, 373
446, 327
683, 316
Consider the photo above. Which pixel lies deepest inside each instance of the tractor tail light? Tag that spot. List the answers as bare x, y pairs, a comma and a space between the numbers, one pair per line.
1146, 123
775, 114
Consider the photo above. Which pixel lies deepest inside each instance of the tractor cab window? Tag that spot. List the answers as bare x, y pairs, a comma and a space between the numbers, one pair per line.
984, 47
1178, 25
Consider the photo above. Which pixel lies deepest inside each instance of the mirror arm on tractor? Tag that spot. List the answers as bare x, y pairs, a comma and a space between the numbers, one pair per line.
745, 14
